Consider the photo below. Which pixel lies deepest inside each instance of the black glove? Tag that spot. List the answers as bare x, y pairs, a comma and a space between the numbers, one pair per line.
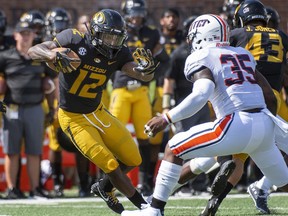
145, 61
63, 62
2, 107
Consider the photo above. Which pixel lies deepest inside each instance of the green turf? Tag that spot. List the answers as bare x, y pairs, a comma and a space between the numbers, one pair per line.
96, 207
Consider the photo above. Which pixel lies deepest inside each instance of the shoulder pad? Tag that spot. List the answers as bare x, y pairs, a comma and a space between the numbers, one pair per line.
195, 61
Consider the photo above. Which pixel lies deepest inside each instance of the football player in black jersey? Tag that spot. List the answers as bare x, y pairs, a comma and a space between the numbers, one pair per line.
94, 131
269, 47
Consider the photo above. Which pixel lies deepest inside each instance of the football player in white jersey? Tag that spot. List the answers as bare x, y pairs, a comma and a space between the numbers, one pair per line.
244, 104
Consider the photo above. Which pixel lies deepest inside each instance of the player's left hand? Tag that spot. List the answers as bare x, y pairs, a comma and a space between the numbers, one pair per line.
3, 107
145, 61
155, 125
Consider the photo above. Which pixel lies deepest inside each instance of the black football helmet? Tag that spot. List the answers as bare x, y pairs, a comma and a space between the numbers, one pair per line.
57, 20
132, 8
229, 8
3, 22
36, 21
108, 32
248, 11
273, 17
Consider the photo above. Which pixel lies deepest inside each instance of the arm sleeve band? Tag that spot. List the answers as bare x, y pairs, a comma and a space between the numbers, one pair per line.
202, 89
166, 101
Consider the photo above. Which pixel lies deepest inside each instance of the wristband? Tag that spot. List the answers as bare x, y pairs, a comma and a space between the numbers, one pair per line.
166, 101
166, 118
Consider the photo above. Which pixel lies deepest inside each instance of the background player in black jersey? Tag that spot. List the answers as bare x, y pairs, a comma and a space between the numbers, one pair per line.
94, 131
130, 96
269, 47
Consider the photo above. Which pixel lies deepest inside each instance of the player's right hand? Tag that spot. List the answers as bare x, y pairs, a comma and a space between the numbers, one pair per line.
63, 62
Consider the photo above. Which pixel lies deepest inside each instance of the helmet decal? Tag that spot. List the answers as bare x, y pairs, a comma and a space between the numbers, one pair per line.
208, 30
99, 18
223, 26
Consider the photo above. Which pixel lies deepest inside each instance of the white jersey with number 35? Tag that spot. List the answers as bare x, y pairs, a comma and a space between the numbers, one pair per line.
233, 70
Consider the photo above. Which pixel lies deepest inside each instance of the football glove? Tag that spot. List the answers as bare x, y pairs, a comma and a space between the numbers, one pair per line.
145, 61
2, 107
63, 62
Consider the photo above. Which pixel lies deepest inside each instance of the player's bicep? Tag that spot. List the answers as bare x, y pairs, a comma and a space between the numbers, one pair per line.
202, 73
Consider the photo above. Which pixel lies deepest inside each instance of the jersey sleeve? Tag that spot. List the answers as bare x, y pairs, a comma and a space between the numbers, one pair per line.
64, 38
284, 41
238, 37
195, 62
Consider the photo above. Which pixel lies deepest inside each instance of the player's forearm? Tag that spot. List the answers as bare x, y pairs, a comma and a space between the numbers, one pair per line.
42, 52
202, 89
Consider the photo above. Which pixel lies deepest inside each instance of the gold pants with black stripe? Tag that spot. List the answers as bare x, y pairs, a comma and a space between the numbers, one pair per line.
100, 137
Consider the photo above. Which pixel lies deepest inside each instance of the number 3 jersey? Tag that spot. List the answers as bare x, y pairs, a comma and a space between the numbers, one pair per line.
81, 90
268, 46
233, 71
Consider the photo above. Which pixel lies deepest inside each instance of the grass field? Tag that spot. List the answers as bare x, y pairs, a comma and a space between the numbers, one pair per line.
232, 205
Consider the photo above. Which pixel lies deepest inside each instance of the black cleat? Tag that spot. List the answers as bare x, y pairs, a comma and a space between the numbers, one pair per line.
259, 197
211, 208
15, 193
109, 197
220, 181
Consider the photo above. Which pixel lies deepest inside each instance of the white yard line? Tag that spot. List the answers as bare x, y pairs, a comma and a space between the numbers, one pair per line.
55, 201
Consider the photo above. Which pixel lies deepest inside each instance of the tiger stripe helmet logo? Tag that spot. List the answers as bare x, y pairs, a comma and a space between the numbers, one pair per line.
99, 18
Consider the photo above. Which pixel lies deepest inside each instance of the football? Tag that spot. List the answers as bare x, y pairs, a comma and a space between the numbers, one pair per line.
70, 54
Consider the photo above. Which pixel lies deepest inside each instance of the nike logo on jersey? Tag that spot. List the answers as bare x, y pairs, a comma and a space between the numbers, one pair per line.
111, 62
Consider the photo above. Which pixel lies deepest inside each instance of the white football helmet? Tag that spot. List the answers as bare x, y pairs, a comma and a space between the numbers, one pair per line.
208, 30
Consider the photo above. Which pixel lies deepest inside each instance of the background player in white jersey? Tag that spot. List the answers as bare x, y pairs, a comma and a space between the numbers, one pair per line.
227, 77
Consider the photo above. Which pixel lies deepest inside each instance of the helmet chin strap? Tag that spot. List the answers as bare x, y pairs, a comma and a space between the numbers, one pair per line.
88, 30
